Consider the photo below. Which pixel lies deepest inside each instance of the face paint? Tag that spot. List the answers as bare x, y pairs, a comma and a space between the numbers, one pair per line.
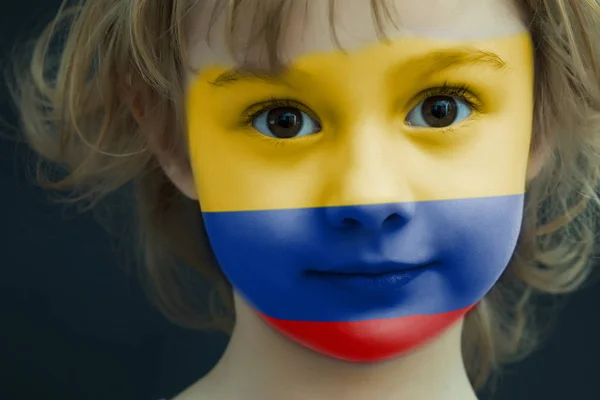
363, 202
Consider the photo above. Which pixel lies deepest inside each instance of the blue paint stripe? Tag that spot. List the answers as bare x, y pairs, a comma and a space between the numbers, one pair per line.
265, 254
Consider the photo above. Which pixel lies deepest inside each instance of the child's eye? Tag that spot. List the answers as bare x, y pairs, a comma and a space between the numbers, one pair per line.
285, 123
439, 112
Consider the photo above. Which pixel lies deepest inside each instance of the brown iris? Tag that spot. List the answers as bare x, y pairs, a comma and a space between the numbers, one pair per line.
440, 111
285, 122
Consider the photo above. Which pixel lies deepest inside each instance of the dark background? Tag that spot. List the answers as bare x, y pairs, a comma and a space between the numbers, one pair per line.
74, 325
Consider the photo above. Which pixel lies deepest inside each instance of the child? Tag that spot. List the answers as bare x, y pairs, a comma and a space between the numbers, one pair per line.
377, 188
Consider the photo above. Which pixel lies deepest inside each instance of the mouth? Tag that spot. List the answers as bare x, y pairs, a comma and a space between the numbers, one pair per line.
370, 269
365, 277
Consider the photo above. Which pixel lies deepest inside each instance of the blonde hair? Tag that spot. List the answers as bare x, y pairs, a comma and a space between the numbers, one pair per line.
76, 103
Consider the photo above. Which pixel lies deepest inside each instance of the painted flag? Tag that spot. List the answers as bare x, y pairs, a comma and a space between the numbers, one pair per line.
364, 202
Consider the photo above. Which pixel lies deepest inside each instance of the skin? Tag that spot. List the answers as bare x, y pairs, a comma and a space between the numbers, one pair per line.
260, 363
372, 132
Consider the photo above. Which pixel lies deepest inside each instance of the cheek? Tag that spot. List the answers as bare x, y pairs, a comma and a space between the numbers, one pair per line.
476, 239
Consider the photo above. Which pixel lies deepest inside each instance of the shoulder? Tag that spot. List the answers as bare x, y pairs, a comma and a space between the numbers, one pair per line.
201, 391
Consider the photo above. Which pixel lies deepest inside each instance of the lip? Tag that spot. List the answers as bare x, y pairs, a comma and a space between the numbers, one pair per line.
381, 277
372, 269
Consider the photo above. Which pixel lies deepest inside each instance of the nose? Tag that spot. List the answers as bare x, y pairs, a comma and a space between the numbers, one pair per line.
371, 217
367, 185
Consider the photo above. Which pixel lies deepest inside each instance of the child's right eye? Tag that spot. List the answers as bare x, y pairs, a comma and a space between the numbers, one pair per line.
285, 122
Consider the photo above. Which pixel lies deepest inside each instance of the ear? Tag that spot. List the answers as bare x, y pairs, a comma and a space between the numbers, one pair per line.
536, 164
176, 167
539, 155
180, 174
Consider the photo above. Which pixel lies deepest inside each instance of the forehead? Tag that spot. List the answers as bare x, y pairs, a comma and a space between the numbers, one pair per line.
295, 28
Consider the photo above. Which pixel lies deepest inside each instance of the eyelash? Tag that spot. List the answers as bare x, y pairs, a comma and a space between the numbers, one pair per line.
460, 91
256, 110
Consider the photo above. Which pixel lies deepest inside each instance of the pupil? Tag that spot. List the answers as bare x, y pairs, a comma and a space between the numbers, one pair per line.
285, 122
440, 111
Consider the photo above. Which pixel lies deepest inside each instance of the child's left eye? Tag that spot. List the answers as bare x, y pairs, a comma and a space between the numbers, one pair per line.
439, 112
286, 123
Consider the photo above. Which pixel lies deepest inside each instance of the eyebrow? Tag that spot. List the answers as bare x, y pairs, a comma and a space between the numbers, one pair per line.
427, 65
443, 60
245, 73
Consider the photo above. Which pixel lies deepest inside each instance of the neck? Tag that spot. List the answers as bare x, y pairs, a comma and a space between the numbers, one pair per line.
260, 363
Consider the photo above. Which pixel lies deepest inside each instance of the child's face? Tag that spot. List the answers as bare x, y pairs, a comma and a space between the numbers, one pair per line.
363, 202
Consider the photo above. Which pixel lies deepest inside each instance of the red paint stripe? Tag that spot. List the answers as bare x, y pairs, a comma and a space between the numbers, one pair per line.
371, 340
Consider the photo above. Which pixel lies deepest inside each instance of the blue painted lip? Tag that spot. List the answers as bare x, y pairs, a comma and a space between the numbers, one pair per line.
362, 268
370, 280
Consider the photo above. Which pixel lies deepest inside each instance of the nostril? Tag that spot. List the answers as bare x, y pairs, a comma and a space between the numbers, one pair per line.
349, 223
371, 217
393, 218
